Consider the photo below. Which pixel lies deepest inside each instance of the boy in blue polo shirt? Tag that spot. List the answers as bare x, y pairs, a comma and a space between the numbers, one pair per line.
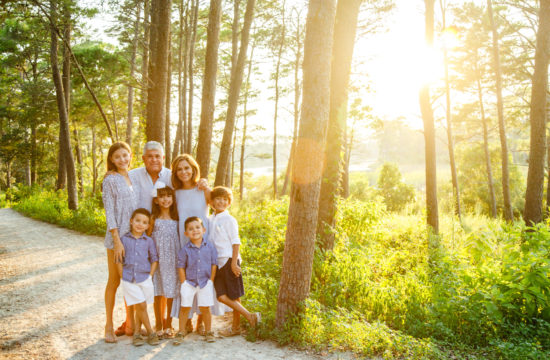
196, 269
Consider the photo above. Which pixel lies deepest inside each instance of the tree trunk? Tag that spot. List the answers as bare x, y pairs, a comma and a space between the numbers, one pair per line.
245, 116
277, 71
429, 132
537, 151
78, 153
65, 140
190, 78
493, 203
233, 100
130, 118
307, 167
94, 162
158, 69
167, 144
348, 146
297, 89
145, 56
548, 175
508, 213
182, 80
342, 52
209, 87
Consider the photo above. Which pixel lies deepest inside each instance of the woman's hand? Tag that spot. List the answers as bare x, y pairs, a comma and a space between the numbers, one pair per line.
203, 184
235, 268
119, 251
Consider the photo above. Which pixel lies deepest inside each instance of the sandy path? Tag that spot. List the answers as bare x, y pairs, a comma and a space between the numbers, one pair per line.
51, 302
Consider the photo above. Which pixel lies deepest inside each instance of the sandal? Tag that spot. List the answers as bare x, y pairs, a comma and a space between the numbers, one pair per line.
178, 339
200, 329
138, 340
153, 339
168, 333
189, 326
209, 337
257, 318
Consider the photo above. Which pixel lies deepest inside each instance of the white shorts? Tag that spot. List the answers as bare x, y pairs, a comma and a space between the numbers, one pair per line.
138, 293
205, 296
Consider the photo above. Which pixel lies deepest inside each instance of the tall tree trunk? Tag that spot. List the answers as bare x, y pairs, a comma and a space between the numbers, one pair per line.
342, 52
429, 132
182, 79
233, 100
8, 174
235, 35
508, 213
130, 118
209, 87
307, 167
548, 174
245, 116
490, 186
158, 69
78, 153
348, 146
275, 112
145, 56
537, 151
167, 144
65, 143
231, 169
190, 78
94, 162
34, 121
296, 113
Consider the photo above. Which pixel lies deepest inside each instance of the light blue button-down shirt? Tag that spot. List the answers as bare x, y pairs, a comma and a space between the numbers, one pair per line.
197, 262
138, 256
140, 178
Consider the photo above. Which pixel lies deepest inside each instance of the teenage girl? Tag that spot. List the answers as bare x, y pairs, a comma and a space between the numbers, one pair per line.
120, 199
164, 231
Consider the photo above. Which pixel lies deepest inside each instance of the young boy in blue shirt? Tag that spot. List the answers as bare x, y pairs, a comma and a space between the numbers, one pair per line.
196, 269
140, 263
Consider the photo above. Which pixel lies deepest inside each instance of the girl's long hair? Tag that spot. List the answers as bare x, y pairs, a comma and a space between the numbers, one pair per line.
176, 182
118, 145
155, 213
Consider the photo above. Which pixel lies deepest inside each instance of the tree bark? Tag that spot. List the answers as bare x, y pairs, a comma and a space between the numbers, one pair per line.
182, 80
245, 116
145, 56
65, 139
342, 52
297, 89
508, 213
307, 167
537, 151
233, 100
158, 69
130, 118
78, 153
490, 186
94, 162
209, 87
275, 112
190, 78
167, 144
429, 132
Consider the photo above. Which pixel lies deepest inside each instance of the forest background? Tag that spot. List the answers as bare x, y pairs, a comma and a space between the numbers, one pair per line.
425, 237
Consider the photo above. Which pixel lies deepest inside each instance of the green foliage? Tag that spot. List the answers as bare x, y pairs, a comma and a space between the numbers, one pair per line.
394, 191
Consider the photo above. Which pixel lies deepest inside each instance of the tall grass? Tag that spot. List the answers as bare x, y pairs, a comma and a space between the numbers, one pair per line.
480, 289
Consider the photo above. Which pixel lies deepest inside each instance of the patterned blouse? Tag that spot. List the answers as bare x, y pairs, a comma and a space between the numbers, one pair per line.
119, 200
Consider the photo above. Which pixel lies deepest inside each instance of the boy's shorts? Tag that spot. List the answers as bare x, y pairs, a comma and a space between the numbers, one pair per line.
226, 283
205, 296
138, 293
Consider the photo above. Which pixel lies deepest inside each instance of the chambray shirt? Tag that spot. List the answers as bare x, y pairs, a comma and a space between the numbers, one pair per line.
138, 256
197, 262
142, 180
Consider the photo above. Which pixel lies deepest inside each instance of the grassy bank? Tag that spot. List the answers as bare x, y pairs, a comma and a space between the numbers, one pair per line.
478, 291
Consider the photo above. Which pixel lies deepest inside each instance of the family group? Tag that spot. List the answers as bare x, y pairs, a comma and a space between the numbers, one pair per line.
165, 249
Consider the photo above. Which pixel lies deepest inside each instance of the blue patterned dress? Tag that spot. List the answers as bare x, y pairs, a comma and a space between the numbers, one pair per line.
165, 235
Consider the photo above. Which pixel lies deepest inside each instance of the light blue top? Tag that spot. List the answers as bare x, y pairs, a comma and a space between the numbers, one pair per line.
142, 180
191, 203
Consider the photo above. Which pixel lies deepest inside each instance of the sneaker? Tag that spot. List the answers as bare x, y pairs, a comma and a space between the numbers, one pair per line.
209, 337
138, 340
153, 339
230, 332
178, 339
257, 318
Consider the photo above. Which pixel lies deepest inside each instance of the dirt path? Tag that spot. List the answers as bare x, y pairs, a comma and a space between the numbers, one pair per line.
51, 302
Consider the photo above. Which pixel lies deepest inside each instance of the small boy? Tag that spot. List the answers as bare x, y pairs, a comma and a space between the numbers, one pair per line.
196, 269
140, 263
224, 233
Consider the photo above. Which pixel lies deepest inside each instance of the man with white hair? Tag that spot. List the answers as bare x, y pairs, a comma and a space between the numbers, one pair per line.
146, 177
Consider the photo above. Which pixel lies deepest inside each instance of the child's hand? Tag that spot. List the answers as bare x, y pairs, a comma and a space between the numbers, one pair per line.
235, 268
